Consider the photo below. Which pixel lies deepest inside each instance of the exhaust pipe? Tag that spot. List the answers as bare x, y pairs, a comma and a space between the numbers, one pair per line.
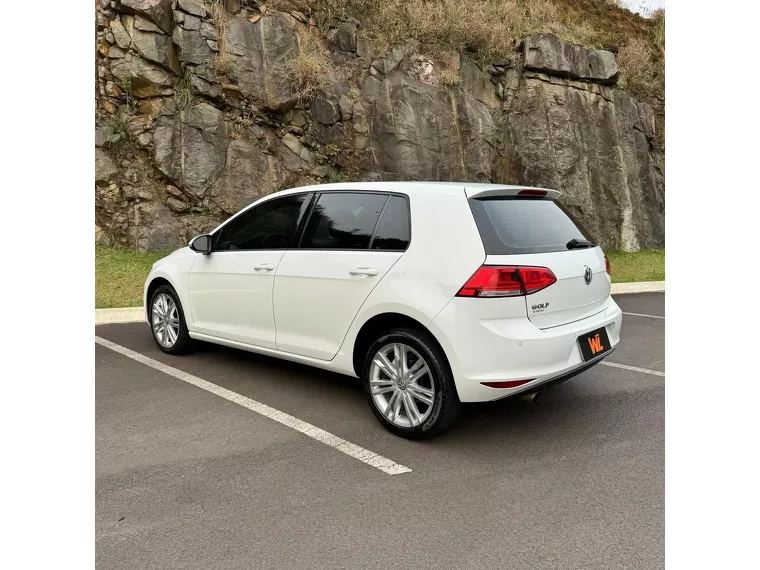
531, 396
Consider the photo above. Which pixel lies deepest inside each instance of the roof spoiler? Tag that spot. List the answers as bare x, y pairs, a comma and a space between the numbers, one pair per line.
519, 191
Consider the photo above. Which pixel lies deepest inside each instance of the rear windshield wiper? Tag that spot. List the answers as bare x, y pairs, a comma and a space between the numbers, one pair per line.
579, 244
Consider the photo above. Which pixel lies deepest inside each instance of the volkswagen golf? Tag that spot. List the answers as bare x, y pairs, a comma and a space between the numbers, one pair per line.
431, 293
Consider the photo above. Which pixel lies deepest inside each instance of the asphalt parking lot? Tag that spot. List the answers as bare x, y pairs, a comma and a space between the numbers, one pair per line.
187, 479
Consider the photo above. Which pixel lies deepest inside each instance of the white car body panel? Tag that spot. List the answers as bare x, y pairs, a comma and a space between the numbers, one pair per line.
408, 288
231, 295
481, 348
316, 296
570, 298
310, 309
175, 269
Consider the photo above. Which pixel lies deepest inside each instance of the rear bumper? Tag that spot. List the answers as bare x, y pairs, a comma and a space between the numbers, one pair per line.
535, 386
496, 350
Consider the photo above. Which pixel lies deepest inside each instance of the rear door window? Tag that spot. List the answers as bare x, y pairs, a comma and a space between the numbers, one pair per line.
511, 225
393, 232
343, 220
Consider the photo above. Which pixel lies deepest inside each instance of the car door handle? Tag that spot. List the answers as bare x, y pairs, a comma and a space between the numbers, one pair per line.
264, 267
365, 271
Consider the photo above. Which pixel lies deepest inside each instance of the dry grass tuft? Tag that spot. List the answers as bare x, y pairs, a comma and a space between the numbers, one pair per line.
311, 69
223, 62
658, 29
183, 95
449, 78
491, 30
639, 70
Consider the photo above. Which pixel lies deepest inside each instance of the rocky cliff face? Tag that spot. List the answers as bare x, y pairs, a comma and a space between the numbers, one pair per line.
198, 114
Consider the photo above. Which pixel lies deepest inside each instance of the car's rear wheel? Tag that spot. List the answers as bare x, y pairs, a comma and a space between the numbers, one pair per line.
409, 384
167, 321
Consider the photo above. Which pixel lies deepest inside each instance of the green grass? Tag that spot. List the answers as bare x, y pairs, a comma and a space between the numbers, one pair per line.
644, 265
120, 275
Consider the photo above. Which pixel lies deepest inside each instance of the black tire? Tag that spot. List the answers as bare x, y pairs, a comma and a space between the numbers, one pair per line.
184, 343
446, 404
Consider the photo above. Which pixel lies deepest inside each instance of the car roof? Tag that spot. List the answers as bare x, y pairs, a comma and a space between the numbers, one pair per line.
402, 187
408, 187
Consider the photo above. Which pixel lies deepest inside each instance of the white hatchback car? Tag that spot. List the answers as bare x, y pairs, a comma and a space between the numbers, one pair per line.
432, 293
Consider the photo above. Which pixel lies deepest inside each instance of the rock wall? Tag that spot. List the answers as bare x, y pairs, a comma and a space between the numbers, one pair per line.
197, 116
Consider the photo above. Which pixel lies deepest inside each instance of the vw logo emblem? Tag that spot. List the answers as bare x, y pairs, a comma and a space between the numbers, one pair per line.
587, 275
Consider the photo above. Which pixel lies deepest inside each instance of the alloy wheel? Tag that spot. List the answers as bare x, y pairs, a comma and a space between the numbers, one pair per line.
165, 320
401, 385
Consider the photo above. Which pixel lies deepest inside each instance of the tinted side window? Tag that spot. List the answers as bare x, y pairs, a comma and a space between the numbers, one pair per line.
343, 221
514, 225
393, 232
272, 225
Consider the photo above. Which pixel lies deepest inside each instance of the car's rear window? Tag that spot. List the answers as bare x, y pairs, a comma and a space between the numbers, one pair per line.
511, 225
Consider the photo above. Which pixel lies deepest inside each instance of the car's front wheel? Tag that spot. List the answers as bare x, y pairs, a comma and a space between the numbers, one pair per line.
167, 321
409, 384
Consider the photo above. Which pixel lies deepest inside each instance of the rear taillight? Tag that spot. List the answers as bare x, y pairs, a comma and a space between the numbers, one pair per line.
607, 265
493, 281
536, 278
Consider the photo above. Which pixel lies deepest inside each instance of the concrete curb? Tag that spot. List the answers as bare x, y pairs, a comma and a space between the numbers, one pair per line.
137, 314
124, 315
641, 287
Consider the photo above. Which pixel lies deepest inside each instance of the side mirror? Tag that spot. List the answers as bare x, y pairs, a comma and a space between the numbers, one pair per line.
201, 244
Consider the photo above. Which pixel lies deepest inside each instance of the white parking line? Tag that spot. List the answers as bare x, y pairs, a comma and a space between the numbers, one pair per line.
640, 315
365, 455
634, 368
